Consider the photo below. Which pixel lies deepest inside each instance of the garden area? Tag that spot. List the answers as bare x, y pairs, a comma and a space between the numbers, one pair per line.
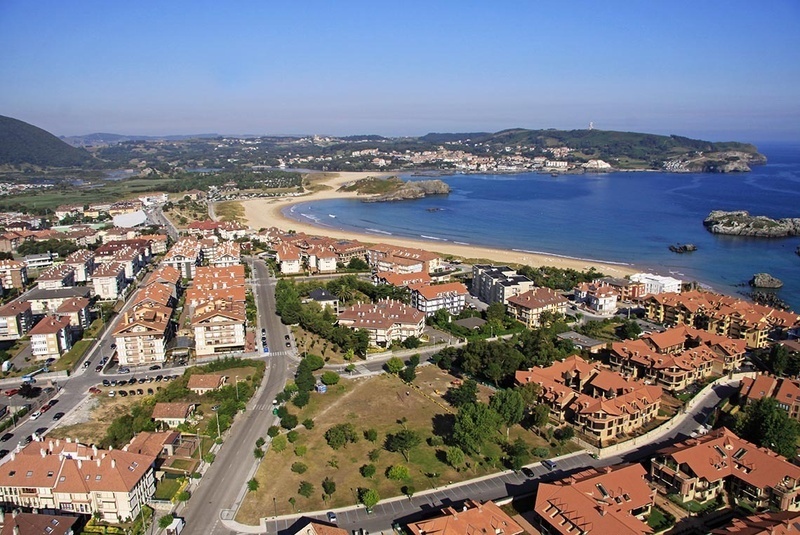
380, 436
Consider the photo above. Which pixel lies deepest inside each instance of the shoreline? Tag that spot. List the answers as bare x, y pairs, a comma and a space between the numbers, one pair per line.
265, 213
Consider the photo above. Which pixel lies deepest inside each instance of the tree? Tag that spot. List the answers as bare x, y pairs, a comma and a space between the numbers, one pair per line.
260, 442
301, 399
315, 362
183, 496
328, 486
394, 365
330, 378
408, 490
371, 434
508, 403
306, 489
165, 521
258, 453
398, 472
253, 485
367, 470
340, 435
299, 468
465, 393
402, 442
289, 421
414, 360
357, 264
475, 423
764, 423
455, 457
630, 330
540, 416
496, 312
279, 443
374, 455
517, 454
408, 374
369, 497
412, 342
308, 423
778, 358
563, 434
530, 393
304, 379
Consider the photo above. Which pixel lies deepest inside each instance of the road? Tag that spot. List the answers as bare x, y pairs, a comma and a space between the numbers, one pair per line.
223, 486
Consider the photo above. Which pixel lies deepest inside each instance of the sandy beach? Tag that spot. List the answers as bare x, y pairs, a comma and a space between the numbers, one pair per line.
264, 213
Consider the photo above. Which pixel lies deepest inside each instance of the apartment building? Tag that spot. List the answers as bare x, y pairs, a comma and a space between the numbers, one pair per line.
74, 478
13, 274
76, 310
16, 319
394, 258
82, 264
385, 321
473, 517
611, 500
219, 327
496, 284
597, 296
627, 290
289, 258
159, 294
50, 338
108, 280
400, 279
325, 299
699, 468
158, 242
724, 315
48, 301
786, 391
186, 254
527, 308
56, 277
142, 334
225, 254
429, 298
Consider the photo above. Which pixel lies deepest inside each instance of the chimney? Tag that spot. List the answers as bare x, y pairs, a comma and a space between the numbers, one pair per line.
98, 462
113, 463
43, 452
94, 450
80, 464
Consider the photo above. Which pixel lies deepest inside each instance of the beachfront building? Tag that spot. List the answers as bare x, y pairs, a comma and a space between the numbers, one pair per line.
600, 403
627, 290
108, 280
473, 517
611, 500
397, 259
225, 254
724, 315
50, 338
700, 468
528, 308
219, 327
657, 284
142, 334
16, 320
386, 321
496, 284
400, 279
429, 298
185, 255
597, 296
786, 391
67, 476
13, 274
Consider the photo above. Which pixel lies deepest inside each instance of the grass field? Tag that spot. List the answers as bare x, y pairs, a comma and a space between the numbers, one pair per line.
229, 211
67, 362
379, 402
167, 487
94, 429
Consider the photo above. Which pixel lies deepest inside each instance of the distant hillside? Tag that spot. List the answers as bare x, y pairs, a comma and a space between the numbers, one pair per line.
24, 144
103, 139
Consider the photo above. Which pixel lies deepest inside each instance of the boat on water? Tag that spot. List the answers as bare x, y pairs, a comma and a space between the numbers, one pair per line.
331, 215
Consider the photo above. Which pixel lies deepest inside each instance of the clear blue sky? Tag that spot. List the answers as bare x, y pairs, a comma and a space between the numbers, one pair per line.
713, 69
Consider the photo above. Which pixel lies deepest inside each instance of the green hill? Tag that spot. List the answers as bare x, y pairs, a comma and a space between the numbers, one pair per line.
23, 144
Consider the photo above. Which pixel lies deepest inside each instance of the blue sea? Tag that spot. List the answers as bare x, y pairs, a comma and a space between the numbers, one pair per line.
627, 218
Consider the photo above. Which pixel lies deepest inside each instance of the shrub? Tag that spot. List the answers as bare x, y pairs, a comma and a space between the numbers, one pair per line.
300, 450
289, 421
292, 436
541, 452
308, 423
374, 455
260, 442
315, 362
330, 378
279, 443
306, 489
299, 468
273, 431
398, 472
371, 435
368, 470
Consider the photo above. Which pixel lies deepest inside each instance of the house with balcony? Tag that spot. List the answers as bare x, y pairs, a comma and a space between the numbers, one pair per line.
496, 284
786, 391
185, 256
82, 263
13, 274
65, 476
430, 298
700, 468
173, 414
597, 296
219, 327
289, 258
108, 280
386, 321
528, 308
60, 276
142, 334
16, 319
77, 311
50, 338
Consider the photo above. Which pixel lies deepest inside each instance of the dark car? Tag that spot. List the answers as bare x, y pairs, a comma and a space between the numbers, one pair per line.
87, 363
6, 437
287, 337
3, 453
528, 472
139, 392
131, 392
57, 416
106, 382
41, 431
159, 378
98, 368
150, 391
142, 380
550, 464
132, 381
288, 344
27, 440
155, 367
263, 331
123, 393
52, 402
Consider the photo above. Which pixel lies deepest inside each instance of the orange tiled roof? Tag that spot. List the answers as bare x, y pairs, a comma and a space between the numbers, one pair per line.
473, 518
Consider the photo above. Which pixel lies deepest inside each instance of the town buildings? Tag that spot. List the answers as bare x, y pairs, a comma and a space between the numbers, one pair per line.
429, 298
142, 334
597, 296
699, 468
16, 320
13, 274
71, 477
786, 391
219, 327
472, 518
202, 383
397, 259
50, 338
173, 414
657, 284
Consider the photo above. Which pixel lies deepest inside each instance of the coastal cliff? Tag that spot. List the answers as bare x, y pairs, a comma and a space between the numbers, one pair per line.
394, 189
741, 223
731, 161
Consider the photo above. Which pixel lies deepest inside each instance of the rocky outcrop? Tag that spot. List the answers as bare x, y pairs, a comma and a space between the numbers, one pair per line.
412, 190
683, 248
717, 162
765, 280
741, 223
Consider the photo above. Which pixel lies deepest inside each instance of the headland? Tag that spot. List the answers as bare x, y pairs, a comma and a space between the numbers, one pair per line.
265, 213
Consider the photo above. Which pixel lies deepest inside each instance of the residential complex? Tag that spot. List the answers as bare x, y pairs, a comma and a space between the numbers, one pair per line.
527, 308
657, 284
429, 298
142, 334
472, 518
493, 284
385, 321
786, 391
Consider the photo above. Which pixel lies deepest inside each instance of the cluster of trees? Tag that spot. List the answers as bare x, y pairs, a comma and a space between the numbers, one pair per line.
765, 424
317, 320
62, 247
497, 361
557, 278
782, 361
406, 371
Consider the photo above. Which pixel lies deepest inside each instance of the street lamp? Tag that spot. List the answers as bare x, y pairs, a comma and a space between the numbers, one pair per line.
237, 387
275, 503
219, 434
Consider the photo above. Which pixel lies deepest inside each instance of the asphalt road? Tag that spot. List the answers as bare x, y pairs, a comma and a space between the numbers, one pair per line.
224, 484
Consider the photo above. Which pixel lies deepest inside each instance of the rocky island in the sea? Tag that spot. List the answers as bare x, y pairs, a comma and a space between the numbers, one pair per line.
741, 223
394, 189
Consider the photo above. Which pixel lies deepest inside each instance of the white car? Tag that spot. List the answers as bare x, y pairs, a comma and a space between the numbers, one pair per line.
36, 415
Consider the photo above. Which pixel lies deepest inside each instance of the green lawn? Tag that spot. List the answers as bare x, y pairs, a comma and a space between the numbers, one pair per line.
660, 520
167, 487
73, 356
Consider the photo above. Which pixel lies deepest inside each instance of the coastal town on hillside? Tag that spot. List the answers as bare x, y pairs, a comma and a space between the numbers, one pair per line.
165, 328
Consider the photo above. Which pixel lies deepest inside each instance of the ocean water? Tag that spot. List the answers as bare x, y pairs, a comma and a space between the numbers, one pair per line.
627, 218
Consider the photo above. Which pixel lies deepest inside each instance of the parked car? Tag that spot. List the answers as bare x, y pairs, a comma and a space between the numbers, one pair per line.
87, 363
331, 517
6, 437
287, 337
36, 415
94, 390
111, 393
3, 453
57, 416
215, 408
131, 392
123, 393
155, 367
150, 391
159, 378
113, 346
124, 369
139, 392
132, 381
27, 440
52, 402
288, 344
44, 409
11, 391
550, 464
98, 368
